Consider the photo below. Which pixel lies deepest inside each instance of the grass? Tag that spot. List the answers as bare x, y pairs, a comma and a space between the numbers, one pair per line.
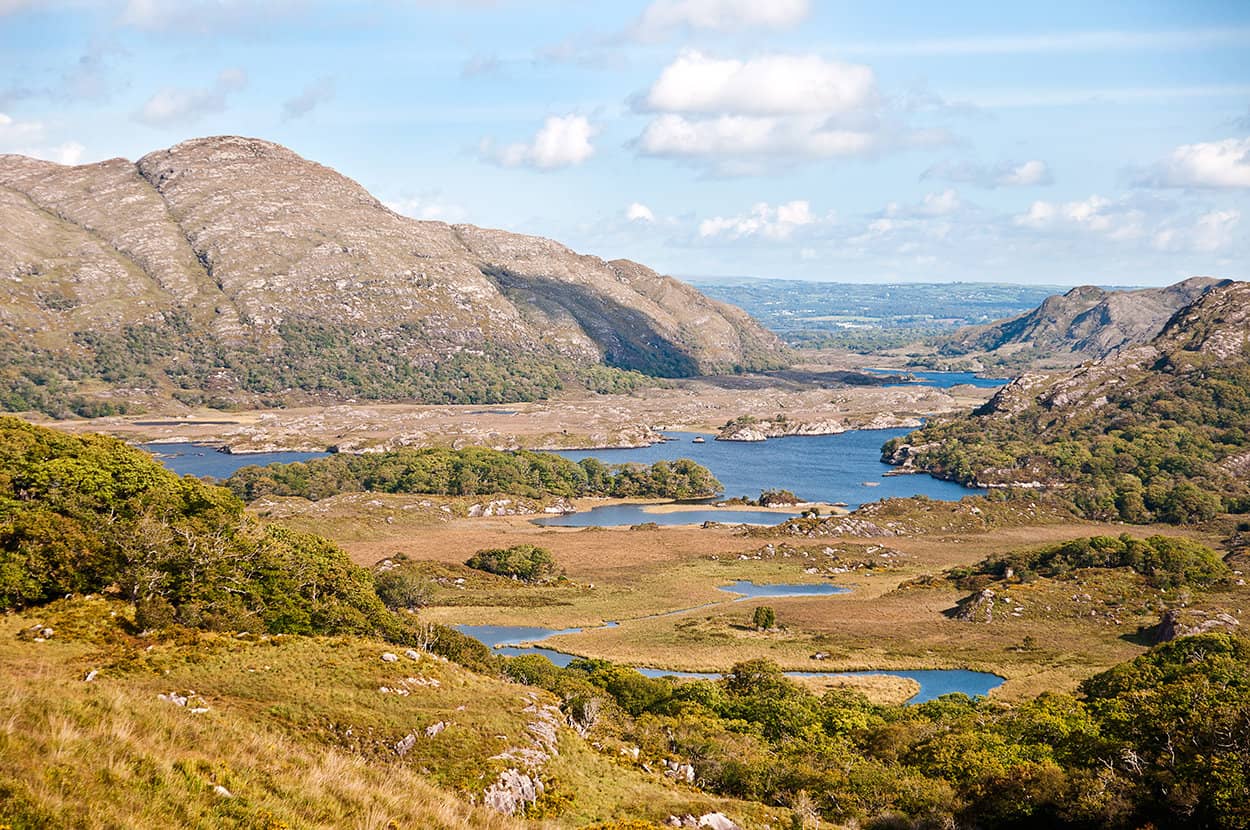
297, 732
624, 575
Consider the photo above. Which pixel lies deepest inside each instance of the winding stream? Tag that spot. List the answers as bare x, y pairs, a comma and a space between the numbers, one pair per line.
517, 640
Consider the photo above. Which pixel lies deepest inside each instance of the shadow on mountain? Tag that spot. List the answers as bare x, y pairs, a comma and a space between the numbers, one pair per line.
626, 336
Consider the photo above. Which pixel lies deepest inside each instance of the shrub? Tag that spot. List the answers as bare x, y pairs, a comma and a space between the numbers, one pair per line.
764, 618
525, 562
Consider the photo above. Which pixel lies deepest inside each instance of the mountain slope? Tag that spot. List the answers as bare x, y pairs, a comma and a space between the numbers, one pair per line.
1159, 431
233, 268
1086, 323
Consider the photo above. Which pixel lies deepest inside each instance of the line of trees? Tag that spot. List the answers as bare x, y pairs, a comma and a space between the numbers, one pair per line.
474, 471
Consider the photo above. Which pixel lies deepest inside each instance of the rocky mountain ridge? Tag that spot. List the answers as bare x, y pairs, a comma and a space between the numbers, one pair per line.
232, 267
1086, 323
1155, 432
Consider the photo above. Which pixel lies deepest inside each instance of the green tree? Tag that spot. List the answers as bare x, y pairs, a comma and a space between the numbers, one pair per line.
764, 618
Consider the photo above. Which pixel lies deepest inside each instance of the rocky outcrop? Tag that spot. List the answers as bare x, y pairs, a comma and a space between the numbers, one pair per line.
235, 252
1182, 622
978, 607
750, 430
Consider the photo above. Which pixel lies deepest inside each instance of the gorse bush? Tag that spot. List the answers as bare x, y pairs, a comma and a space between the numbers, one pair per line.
90, 514
474, 471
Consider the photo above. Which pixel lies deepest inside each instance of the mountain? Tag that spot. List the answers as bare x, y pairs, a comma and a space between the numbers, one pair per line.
1159, 431
232, 268
1084, 324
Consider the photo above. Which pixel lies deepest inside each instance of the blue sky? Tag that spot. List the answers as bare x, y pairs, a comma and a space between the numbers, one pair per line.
1060, 143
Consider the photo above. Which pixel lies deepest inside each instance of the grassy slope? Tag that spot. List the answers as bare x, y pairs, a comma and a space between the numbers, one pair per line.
297, 731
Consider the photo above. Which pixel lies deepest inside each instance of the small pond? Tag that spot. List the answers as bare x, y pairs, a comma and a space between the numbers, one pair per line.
612, 515
934, 683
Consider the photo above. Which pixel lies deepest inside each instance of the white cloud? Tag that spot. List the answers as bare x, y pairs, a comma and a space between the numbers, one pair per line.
663, 16
12, 130
1118, 221
1007, 174
940, 204
770, 85
1087, 212
638, 212
26, 138
427, 207
316, 93
743, 116
764, 220
1212, 164
204, 16
1209, 233
737, 135
174, 105
562, 141
1026, 174
67, 152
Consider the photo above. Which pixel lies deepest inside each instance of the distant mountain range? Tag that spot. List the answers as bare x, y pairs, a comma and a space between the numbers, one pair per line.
231, 269
1084, 324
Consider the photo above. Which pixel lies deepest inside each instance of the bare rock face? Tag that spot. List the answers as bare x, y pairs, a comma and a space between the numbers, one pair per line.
251, 269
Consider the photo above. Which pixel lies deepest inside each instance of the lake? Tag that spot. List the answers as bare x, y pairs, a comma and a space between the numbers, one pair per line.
829, 468
941, 380
201, 460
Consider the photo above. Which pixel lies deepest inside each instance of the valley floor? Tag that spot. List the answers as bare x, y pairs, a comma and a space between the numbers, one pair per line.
1057, 634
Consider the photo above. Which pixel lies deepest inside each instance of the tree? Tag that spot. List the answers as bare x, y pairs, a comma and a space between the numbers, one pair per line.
764, 618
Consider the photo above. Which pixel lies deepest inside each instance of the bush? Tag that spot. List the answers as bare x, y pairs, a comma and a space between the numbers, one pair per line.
764, 618
402, 589
525, 562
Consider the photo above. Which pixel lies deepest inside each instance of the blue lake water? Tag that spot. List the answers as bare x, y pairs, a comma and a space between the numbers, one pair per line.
507, 640
201, 460
830, 468
941, 380
612, 515
750, 590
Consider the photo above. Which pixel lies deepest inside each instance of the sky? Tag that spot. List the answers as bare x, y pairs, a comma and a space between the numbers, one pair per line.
1054, 143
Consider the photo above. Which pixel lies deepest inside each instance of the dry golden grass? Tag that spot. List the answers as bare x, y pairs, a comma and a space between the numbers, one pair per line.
297, 732
636, 573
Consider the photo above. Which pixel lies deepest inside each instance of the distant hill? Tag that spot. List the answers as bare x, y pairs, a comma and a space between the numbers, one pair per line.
1086, 323
231, 269
1159, 431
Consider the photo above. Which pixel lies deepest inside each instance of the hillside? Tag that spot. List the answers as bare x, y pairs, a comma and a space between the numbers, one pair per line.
1159, 431
1083, 324
230, 269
